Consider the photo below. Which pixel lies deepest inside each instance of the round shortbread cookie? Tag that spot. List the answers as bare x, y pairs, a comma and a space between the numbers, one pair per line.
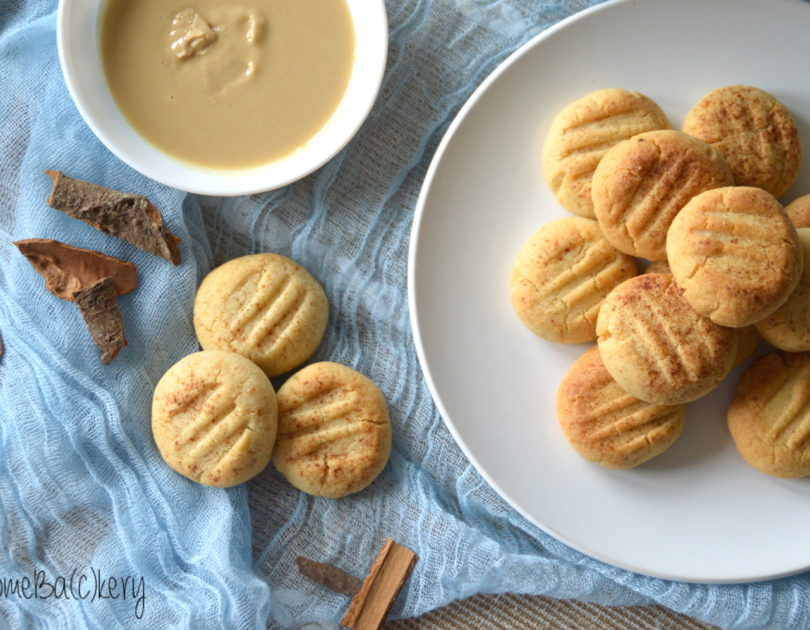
214, 418
735, 254
657, 347
748, 338
607, 425
581, 134
334, 434
799, 211
561, 276
642, 183
769, 417
265, 307
788, 328
753, 131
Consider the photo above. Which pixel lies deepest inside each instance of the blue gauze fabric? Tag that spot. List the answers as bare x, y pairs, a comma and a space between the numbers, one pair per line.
83, 490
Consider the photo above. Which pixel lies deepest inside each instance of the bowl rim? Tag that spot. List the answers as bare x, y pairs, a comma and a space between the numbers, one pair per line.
370, 23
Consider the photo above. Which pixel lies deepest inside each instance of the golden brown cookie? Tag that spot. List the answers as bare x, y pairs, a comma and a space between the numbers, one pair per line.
334, 434
657, 347
607, 425
799, 211
748, 338
788, 328
265, 307
561, 276
753, 131
642, 183
735, 254
581, 134
769, 417
214, 418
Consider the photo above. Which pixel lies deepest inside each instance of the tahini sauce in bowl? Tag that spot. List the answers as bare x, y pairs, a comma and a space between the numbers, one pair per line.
227, 84
223, 98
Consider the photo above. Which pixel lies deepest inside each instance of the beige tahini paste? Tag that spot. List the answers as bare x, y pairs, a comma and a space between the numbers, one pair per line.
224, 83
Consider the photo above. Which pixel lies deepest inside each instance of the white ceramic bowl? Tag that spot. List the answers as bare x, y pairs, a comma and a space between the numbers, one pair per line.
79, 54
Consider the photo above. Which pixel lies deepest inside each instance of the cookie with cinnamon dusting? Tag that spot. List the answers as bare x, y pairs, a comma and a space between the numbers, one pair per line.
583, 131
265, 307
642, 183
769, 417
657, 347
753, 131
607, 425
334, 432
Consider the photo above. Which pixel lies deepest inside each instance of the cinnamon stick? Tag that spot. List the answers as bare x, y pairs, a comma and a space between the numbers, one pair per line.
130, 217
103, 319
387, 575
69, 269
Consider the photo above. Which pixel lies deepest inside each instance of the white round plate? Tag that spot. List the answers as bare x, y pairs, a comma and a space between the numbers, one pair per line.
698, 513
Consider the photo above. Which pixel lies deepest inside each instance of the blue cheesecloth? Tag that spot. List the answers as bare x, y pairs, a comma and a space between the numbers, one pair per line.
84, 495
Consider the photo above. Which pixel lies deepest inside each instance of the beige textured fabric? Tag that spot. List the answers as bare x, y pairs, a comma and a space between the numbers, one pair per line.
532, 612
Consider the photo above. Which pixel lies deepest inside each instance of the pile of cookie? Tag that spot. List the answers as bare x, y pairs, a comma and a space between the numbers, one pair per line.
216, 417
726, 268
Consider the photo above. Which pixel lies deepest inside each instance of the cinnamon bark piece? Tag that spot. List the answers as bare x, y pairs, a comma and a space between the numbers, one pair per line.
130, 217
329, 576
102, 316
69, 269
387, 575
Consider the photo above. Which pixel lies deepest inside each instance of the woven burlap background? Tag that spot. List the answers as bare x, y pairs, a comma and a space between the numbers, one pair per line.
528, 612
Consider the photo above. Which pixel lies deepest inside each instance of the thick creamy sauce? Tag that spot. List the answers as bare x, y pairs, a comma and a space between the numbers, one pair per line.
224, 83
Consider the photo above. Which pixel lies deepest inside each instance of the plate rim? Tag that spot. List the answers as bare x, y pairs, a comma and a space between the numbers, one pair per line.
416, 330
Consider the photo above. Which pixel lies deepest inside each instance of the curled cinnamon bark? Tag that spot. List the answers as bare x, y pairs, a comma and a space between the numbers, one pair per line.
91, 279
130, 217
69, 269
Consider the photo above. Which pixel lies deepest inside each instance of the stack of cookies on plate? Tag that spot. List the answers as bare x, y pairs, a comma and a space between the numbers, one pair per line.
726, 269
